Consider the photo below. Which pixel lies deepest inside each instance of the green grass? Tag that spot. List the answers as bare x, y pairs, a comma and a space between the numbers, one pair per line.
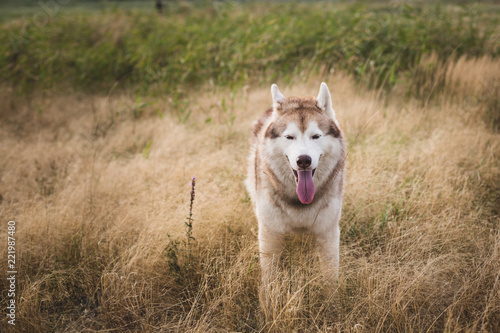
35, 9
229, 44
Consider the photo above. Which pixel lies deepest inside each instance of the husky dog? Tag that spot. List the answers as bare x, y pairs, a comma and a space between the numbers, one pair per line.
295, 175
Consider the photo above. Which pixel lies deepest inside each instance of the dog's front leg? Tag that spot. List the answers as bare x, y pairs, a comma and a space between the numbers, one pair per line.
328, 243
270, 245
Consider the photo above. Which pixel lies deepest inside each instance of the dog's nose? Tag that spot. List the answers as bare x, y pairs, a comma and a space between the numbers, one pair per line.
304, 161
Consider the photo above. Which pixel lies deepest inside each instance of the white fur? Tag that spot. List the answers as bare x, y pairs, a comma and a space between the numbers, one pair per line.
277, 96
325, 101
276, 218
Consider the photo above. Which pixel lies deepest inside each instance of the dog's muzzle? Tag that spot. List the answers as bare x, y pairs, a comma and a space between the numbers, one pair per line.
304, 178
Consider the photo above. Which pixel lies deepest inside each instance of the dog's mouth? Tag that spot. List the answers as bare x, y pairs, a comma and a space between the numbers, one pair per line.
305, 184
297, 174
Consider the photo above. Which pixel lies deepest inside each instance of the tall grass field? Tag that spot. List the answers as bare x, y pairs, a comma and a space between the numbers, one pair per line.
109, 109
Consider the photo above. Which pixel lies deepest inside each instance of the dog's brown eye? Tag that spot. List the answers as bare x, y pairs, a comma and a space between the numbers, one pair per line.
289, 137
316, 137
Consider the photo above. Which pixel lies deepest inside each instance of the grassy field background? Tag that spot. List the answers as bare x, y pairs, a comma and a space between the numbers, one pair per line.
109, 110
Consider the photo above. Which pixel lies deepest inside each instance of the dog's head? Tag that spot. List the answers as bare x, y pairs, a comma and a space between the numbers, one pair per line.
307, 133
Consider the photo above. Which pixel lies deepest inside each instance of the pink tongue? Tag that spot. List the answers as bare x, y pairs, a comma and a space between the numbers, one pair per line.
305, 186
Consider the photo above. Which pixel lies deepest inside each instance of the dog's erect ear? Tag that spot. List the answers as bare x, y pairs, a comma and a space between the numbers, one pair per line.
325, 100
278, 97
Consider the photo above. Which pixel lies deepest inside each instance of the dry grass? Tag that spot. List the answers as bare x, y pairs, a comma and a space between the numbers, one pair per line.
99, 187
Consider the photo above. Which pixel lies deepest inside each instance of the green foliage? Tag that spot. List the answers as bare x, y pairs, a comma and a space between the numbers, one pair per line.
180, 107
145, 152
138, 108
228, 44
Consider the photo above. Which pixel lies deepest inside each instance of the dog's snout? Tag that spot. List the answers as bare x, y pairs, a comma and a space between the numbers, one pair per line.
304, 161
